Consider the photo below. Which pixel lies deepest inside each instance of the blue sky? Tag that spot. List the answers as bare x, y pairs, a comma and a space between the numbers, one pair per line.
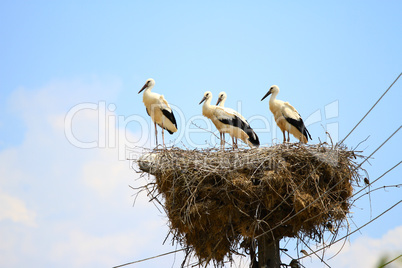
71, 206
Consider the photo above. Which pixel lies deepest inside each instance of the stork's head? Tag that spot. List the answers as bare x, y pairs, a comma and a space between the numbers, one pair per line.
207, 96
221, 97
150, 83
273, 90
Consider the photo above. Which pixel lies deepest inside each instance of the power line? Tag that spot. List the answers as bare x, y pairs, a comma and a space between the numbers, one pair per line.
354, 230
321, 259
293, 259
379, 146
371, 108
371, 183
379, 188
390, 261
146, 259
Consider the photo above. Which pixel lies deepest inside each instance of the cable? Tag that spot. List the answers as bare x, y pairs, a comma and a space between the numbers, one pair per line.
354, 230
321, 259
379, 188
371, 108
371, 183
385, 264
292, 259
379, 147
146, 259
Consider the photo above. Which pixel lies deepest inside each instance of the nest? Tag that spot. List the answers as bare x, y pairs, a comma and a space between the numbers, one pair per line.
219, 201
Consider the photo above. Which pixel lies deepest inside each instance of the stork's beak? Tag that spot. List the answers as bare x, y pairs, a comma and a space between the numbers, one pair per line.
219, 100
144, 87
202, 100
266, 95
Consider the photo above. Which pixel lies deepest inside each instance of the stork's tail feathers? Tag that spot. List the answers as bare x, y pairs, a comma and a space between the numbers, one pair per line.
170, 117
170, 132
252, 137
299, 125
305, 133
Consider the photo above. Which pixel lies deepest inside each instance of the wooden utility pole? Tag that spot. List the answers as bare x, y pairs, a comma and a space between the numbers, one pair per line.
268, 253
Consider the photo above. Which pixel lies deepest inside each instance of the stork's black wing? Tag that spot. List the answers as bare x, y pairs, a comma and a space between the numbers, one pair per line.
169, 115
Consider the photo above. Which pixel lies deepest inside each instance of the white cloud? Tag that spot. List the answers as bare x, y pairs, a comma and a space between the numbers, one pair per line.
66, 205
83, 249
15, 209
364, 251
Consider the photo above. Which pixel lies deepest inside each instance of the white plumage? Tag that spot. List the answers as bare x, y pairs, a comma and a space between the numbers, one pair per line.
221, 102
286, 117
229, 121
158, 109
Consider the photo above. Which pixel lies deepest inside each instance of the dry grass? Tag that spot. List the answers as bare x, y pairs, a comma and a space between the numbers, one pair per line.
218, 201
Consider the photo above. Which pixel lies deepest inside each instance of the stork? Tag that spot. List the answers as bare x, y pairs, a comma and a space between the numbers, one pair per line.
158, 109
228, 122
221, 102
286, 117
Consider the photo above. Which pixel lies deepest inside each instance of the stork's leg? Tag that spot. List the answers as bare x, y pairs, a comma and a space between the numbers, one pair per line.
163, 138
284, 138
156, 135
288, 137
223, 140
234, 142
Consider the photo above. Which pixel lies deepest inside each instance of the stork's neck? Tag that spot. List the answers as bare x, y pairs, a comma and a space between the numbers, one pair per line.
148, 89
222, 104
207, 107
272, 99
207, 103
147, 92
